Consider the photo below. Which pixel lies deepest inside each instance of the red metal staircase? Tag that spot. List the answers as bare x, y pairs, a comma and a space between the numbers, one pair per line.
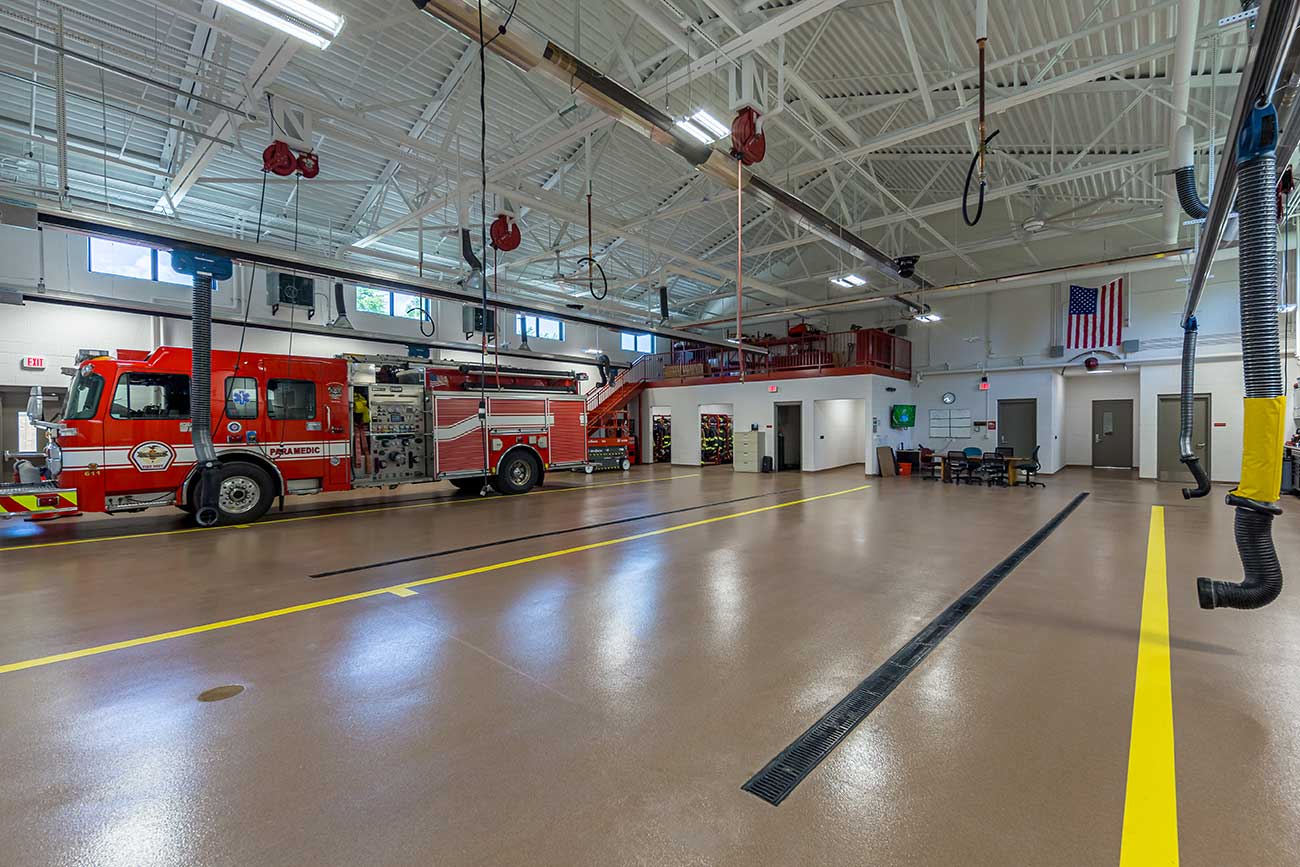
612, 407
609, 419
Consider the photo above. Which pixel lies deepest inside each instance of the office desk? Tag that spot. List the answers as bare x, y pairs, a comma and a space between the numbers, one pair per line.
1012, 463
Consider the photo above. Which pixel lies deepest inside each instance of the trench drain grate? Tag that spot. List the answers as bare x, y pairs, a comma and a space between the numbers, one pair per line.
780, 776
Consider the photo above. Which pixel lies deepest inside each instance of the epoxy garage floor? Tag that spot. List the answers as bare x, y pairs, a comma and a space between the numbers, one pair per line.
418, 691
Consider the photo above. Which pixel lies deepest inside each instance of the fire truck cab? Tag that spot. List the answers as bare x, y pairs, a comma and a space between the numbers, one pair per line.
299, 425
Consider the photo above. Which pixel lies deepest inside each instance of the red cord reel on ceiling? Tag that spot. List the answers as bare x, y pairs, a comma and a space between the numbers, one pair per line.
747, 141
504, 233
308, 165
280, 160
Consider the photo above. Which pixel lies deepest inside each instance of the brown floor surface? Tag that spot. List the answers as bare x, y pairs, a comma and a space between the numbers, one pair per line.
604, 707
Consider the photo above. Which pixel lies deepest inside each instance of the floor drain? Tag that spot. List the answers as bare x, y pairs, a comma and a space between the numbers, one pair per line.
221, 693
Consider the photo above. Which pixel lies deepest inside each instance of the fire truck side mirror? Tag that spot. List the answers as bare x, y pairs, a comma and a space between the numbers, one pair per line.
35, 407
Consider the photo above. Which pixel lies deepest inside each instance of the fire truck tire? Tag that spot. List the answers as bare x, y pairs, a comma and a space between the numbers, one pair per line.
471, 485
517, 474
244, 492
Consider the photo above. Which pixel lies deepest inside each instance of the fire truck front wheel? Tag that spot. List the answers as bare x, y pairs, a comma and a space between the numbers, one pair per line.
244, 492
517, 474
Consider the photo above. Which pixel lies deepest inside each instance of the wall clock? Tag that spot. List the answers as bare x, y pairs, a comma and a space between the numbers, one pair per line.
949, 397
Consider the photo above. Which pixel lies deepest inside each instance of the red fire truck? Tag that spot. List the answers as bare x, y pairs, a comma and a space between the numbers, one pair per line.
295, 425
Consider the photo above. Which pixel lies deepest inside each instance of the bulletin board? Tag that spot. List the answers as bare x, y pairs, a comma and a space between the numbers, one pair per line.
950, 424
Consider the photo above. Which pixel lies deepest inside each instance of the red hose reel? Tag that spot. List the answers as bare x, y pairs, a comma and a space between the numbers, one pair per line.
747, 141
504, 233
280, 160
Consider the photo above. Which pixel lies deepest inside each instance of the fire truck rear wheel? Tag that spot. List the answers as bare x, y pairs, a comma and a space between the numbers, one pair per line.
244, 492
517, 474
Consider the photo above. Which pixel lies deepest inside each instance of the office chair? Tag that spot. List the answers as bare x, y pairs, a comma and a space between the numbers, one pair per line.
930, 464
993, 466
1031, 470
974, 458
958, 466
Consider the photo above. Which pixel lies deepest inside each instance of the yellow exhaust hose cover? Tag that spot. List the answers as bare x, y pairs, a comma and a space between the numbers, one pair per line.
1261, 450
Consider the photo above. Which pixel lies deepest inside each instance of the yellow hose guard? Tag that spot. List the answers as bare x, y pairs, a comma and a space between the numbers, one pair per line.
1261, 451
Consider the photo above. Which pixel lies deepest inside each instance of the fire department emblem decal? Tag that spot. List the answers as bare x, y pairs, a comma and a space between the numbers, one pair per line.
152, 456
335, 391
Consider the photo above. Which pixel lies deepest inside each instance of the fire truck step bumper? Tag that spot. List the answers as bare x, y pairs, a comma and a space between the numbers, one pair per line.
42, 498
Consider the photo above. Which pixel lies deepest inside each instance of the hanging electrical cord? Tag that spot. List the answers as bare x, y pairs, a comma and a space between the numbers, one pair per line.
248, 300
483, 237
740, 335
981, 40
604, 281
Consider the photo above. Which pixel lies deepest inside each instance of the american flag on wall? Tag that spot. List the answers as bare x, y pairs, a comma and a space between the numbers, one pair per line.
1095, 317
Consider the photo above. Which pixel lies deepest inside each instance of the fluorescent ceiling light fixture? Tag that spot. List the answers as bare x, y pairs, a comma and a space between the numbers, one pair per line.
849, 281
299, 18
708, 122
694, 131
928, 316
592, 351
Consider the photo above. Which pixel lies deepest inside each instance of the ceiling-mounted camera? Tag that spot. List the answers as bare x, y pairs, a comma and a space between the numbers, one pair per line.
906, 265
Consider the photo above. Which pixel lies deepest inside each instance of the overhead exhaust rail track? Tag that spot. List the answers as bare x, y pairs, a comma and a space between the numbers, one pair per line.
528, 51
165, 236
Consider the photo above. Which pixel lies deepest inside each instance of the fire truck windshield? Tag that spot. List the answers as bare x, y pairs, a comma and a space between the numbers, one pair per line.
83, 396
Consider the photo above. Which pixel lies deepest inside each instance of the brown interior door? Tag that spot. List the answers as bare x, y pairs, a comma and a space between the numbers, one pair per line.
1168, 467
1112, 434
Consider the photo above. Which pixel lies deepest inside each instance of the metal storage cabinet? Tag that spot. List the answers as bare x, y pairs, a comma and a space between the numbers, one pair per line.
748, 450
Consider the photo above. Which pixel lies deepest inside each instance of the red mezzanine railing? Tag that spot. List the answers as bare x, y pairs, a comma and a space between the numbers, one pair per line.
868, 350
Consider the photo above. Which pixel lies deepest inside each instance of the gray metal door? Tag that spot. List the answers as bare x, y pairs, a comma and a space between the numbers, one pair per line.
1112, 434
1018, 425
1168, 467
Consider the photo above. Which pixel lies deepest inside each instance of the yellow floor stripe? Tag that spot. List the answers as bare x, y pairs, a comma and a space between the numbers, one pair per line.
1150, 801
368, 511
403, 589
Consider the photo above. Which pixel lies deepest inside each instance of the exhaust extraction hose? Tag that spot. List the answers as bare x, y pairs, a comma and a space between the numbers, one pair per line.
1183, 165
1187, 406
1264, 430
205, 511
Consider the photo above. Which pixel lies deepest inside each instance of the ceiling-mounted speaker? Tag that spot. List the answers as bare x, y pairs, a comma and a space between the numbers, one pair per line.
663, 303
1130, 345
1056, 352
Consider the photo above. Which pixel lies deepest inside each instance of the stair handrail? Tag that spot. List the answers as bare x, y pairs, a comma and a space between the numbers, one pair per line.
633, 373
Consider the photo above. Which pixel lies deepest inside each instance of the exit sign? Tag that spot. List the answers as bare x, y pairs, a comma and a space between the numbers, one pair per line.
33, 362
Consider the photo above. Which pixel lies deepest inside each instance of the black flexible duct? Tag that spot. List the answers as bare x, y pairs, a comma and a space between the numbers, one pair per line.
1188, 197
205, 510
1253, 529
1187, 414
970, 173
1263, 374
340, 308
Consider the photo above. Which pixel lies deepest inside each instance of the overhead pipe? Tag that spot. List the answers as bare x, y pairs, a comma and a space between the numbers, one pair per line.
1140, 262
1180, 75
530, 51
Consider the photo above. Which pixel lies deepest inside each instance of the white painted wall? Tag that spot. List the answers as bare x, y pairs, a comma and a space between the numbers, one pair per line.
1080, 392
753, 403
1044, 386
58, 331
1223, 382
840, 432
